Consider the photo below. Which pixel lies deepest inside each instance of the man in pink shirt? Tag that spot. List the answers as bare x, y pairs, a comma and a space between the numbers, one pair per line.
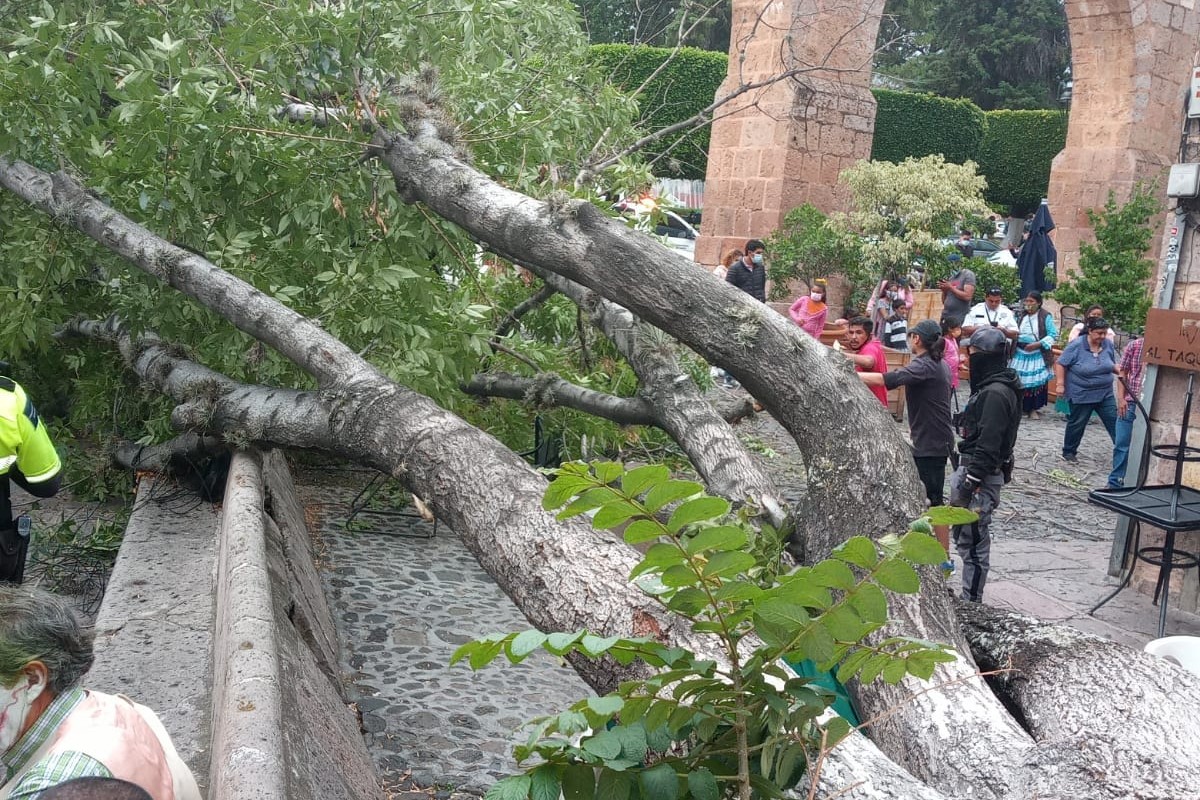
866, 352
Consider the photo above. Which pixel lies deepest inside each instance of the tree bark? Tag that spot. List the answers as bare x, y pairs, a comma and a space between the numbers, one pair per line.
189, 446
1117, 718
548, 390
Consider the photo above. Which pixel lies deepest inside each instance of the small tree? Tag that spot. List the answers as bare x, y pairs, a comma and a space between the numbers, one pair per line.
806, 247
903, 209
1114, 271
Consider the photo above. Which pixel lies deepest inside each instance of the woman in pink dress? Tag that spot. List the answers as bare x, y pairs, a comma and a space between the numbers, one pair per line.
809, 311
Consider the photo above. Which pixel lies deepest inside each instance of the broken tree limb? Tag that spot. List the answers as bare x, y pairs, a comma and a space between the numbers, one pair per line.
548, 390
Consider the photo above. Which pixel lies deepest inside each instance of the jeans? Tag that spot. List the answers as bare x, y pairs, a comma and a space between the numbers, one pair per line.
974, 541
1116, 478
1106, 409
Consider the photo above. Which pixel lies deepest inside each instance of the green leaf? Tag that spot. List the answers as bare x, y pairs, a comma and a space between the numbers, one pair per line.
720, 537
951, 515
558, 643
638, 479
603, 745
920, 548
659, 783
635, 708
545, 783
578, 782
525, 643
898, 576
702, 785
782, 613
869, 601
727, 564
836, 729
514, 787
643, 530
592, 498
596, 646
633, 742
738, 591
658, 557
697, 510
562, 489
834, 574
605, 706
679, 575
858, 550
607, 471
669, 492
817, 644
895, 671
613, 514
614, 785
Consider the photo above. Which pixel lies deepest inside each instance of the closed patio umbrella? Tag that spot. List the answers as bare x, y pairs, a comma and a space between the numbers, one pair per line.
1037, 253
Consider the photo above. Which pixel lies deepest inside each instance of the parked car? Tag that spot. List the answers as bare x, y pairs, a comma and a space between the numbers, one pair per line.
678, 234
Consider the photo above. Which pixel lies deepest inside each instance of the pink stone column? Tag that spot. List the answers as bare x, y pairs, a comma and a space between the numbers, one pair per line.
779, 146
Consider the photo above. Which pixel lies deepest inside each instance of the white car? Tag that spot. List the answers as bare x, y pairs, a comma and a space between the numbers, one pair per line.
1003, 256
676, 232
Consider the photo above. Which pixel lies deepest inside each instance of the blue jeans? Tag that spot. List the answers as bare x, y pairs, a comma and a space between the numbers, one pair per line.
1081, 413
1116, 478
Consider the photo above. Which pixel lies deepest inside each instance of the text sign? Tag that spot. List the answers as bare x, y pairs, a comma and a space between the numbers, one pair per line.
1172, 338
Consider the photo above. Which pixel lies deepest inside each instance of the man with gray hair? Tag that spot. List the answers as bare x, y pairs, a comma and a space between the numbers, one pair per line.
51, 729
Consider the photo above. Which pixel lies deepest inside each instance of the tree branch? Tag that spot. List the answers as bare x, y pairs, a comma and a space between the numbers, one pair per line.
189, 446
548, 390
521, 309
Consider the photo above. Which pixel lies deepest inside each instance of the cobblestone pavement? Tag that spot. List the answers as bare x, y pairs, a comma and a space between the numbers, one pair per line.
403, 600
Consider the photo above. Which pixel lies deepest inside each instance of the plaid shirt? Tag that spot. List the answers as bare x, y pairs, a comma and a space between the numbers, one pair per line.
1132, 367
56, 768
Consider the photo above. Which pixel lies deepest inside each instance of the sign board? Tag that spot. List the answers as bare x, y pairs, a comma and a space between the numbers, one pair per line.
1172, 339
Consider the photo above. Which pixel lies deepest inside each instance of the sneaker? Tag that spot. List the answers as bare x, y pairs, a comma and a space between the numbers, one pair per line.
1074, 459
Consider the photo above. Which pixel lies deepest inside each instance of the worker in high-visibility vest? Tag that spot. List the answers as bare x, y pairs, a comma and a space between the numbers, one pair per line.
28, 459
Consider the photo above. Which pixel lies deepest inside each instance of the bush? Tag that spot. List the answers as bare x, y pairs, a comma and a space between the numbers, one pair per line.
1016, 155
686, 87
938, 267
1113, 271
914, 125
805, 248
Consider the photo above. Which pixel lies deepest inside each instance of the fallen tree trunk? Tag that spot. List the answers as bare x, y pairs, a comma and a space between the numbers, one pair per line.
1137, 735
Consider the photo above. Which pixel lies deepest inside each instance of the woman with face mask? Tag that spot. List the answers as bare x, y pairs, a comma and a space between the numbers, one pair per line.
1033, 359
810, 311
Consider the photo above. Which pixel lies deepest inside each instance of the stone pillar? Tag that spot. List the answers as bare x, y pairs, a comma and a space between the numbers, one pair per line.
1131, 65
781, 145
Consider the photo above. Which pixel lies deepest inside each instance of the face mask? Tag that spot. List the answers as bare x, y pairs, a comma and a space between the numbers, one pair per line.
14, 709
820, 298
758, 259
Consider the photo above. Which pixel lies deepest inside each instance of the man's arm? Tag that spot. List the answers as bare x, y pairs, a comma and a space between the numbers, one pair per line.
986, 455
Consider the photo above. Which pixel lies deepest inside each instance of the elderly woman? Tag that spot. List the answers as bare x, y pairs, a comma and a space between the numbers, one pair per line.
51, 729
810, 311
1032, 361
1084, 375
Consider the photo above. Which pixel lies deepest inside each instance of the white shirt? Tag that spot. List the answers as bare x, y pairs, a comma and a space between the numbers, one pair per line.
981, 316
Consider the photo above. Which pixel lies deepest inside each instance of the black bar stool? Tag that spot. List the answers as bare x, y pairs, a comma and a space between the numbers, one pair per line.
1174, 508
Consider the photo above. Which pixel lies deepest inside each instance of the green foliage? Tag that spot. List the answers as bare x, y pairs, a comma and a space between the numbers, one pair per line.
901, 210
998, 55
987, 274
657, 23
1016, 156
914, 125
685, 87
805, 247
696, 724
1114, 271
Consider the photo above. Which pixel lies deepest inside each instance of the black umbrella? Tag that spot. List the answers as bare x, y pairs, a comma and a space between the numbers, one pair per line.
1038, 253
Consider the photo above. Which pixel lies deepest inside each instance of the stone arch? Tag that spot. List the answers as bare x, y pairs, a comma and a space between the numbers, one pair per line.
784, 144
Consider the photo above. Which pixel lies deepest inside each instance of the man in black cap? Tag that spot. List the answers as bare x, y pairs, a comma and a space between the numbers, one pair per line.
988, 427
991, 313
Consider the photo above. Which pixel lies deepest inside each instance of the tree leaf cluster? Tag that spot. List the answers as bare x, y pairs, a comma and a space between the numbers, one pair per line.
700, 726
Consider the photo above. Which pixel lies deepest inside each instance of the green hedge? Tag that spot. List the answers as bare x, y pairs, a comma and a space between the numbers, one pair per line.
916, 125
683, 89
1016, 156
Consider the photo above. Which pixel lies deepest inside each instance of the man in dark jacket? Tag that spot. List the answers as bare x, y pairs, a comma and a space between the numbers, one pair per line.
988, 427
749, 273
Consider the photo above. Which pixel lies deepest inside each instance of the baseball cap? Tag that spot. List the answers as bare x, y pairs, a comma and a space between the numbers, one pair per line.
995, 290
927, 329
1095, 323
988, 340
955, 257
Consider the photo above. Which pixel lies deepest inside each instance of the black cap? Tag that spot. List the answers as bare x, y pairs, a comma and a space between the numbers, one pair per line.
988, 340
1096, 323
927, 329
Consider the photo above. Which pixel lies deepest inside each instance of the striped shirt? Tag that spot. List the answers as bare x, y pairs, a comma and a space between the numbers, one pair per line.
54, 769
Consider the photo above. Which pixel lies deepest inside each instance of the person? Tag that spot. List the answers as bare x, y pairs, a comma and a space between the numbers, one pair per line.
95, 789
965, 244
1093, 312
951, 330
988, 426
885, 294
722, 269
926, 379
1033, 360
28, 459
895, 330
1128, 393
1084, 375
959, 289
810, 311
51, 729
749, 273
991, 313
866, 353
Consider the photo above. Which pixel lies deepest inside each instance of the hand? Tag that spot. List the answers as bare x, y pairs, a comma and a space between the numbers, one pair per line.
1032, 348
1060, 388
1122, 406
943, 285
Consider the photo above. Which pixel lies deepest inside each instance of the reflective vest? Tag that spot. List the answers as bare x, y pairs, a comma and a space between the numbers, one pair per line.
23, 438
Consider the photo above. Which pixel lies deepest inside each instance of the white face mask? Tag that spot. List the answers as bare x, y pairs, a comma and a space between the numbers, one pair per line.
820, 298
14, 709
